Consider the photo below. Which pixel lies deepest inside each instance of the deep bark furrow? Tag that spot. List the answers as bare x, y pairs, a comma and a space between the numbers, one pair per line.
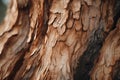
60, 40
91, 54
116, 13
86, 61
116, 71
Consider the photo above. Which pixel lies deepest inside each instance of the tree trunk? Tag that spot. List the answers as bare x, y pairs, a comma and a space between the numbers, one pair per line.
60, 40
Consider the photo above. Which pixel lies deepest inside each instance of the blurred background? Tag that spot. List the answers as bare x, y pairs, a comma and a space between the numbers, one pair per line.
3, 8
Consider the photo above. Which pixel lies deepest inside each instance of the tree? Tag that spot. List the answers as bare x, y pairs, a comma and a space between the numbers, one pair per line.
60, 40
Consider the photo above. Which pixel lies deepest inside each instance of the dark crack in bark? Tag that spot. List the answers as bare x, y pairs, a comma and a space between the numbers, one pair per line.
86, 61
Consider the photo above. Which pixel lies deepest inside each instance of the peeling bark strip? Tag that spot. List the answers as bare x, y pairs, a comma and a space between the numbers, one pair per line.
60, 40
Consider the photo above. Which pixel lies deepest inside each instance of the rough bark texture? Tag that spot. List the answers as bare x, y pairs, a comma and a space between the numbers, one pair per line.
60, 40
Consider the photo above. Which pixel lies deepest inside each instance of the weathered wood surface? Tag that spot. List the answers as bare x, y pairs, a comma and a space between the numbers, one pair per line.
60, 40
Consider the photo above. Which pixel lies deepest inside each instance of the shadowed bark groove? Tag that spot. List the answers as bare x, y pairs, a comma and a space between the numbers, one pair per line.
116, 71
108, 57
60, 40
108, 63
87, 60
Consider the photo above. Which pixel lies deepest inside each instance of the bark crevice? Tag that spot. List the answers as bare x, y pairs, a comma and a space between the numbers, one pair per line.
60, 40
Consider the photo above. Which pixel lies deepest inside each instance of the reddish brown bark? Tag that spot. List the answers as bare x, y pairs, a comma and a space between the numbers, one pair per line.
60, 40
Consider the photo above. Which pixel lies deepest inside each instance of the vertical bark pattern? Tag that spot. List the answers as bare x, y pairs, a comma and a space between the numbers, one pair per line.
48, 38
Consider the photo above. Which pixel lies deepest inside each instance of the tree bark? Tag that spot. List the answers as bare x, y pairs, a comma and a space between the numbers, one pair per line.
60, 40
